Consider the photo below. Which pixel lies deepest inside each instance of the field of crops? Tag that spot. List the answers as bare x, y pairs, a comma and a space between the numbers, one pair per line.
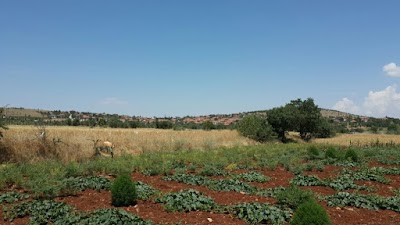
261, 184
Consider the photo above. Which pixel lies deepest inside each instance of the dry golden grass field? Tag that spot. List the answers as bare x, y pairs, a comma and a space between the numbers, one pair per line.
24, 143
361, 140
75, 143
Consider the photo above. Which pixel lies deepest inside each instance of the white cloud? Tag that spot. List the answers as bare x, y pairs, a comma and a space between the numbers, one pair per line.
391, 69
383, 103
113, 101
346, 105
377, 104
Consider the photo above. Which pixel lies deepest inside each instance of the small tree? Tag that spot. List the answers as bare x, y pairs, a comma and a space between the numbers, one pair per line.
256, 128
123, 191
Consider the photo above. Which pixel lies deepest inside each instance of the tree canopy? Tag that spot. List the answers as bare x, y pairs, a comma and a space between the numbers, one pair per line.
298, 115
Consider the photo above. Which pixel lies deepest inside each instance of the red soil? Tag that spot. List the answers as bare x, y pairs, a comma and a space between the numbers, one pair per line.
90, 200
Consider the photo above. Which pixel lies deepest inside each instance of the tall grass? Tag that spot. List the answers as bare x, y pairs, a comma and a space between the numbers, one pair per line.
362, 140
24, 143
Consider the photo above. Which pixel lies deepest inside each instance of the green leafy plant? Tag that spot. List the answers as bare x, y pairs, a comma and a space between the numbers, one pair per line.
257, 213
186, 201
310, 213
92, 182
59, 213
364, 201
123, 191
10, 197
40, 212
306, 180
252, 177
113, 216
145, 191
189, 179
211, 170
231, 185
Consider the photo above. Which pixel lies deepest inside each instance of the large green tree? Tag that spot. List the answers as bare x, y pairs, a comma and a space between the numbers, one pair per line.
308, 117
298, 115
282, 119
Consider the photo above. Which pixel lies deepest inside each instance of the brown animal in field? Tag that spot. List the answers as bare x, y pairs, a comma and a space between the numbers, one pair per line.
105, 149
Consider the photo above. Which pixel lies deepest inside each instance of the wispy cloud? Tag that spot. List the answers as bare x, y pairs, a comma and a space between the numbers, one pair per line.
392, 70
113, 101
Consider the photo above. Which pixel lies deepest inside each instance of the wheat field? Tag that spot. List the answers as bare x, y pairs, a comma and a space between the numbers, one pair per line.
25, 143
361, 140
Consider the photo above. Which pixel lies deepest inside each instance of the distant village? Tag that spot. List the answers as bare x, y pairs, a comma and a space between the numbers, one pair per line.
343, 122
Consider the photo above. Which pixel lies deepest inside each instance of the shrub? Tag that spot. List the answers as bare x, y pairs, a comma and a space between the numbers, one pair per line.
352, 154
313, 152
294, 196
332, 152
310, 213
256, 128
123, 191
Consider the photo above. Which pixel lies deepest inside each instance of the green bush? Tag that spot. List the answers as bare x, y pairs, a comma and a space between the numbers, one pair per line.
294, 196
256, 128
123, 191
352, 154
310, 213
313, 152
332, 152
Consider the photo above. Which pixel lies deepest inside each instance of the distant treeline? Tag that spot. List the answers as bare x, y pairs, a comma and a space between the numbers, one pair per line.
116, 122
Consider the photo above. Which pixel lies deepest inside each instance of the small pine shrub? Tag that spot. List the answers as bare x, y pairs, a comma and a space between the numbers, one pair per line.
310, 213
123, 191
294, 196
352, 154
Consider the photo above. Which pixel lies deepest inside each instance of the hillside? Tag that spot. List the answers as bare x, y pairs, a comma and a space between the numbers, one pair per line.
60, 117
40, 113
23, 112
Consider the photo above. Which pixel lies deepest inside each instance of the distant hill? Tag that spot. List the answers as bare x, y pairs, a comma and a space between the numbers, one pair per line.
40, 113
23, 112
335, 113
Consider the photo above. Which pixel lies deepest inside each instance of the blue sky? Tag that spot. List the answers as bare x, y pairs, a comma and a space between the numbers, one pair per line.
177, 58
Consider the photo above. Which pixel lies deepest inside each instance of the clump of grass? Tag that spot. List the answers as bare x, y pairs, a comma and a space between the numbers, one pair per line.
352, 155
313, 152
332, 152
